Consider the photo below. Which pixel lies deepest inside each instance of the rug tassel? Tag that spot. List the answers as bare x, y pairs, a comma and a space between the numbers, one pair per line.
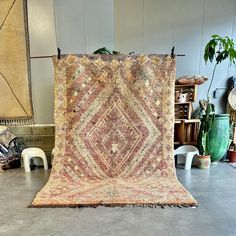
162, 206
17, 121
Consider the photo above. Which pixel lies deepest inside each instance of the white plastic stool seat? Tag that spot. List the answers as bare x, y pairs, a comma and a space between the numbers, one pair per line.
188, 151
29, 153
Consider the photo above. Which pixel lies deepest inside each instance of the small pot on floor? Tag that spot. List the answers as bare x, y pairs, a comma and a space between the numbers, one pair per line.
204, 162
232, 156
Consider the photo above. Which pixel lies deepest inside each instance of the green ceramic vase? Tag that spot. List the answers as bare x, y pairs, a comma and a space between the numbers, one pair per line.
219, 137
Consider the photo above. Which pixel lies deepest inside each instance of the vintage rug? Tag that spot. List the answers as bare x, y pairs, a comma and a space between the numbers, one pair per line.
114, 119
15, 96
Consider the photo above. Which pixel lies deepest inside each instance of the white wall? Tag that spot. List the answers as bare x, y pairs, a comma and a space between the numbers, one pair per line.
78, 26
42, 43
143, 26
83, 26
154, 26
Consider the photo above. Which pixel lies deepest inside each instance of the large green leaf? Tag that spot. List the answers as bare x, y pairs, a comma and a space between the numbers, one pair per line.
220, 49
215, 36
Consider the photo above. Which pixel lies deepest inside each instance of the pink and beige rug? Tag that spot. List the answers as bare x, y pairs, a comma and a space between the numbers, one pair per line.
114, 119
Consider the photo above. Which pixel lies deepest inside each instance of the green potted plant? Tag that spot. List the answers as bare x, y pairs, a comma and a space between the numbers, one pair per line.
207, 121
232, 152
217, 50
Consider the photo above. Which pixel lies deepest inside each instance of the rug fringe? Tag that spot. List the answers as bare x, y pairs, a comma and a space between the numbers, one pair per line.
16, 121
163, 206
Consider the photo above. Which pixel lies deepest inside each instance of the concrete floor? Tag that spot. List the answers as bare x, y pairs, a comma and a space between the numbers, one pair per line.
214, 189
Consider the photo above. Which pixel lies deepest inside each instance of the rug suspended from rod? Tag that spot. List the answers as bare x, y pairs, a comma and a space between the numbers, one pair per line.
114, 118
15, 95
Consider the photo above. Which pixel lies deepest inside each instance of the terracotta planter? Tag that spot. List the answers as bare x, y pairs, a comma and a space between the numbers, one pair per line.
204, 162
232, 156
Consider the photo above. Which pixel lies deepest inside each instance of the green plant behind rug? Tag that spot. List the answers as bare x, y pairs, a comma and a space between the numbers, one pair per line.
104, 50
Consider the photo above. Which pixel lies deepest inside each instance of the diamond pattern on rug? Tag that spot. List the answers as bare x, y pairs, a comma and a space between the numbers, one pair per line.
114, 119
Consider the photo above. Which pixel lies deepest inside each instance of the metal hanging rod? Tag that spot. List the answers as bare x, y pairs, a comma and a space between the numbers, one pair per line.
173, 55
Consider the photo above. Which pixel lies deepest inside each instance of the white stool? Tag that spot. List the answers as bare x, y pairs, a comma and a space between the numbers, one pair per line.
29, 153
188, 151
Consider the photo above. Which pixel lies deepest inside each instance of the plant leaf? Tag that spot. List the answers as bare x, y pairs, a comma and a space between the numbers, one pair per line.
215, 36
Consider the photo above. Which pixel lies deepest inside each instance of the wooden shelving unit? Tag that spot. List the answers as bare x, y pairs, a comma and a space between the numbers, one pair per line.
189, 88
186, 129
183, 110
